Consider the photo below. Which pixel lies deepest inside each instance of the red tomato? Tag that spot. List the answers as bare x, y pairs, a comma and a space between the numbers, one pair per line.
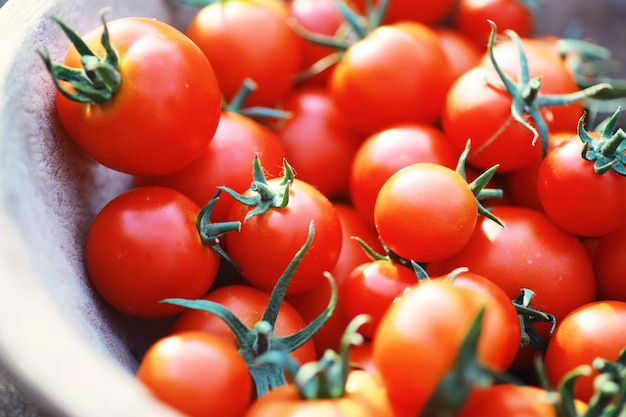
425, 212
462, 51
385, 152
424, 11
409, 57
530, 252
570, 191
268, 242
226, 161
593, 330
470, 17
364, 396
512, 401
313, 302
197, 374
249, 39
423, 330
371, 288
315, 138
248, 304
165, 111
609, 260
145, 246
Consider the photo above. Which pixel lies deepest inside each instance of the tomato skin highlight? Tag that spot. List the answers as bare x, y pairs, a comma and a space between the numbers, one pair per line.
165, 111
425, 212
198, 374
144, 246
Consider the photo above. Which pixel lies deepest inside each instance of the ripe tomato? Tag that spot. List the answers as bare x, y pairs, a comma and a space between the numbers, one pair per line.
385, 152
316, 137
424, 11
462, 51
248, 304
267, 242
512, 401
165, 111
592, 330
419, 338
425, 212
229, 35
570, 191
371, 288
144, 246
197, 374
530, 252
409, 57
470, 17
225, 162
609, 260
364, 396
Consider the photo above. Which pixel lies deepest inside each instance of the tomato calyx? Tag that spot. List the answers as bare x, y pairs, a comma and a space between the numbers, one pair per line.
528, 316
467, 373
608, 152
478, 185
327, 377
391, 256
260, 340
99, 78
267, 196
237, 104
526, 98
211, 232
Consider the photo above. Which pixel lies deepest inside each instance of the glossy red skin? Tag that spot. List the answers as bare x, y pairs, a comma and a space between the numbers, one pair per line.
462, 51
144, 246
226, 161
478, 111
425, 212
570, 191
470, 17
385, 152
424, 11
316, 138
320, 17
530, 252
593, 330
371, 288
424, 329
175, 370
165, 111
409, 57
268, 242
249, 39
311, 303
365, 396
248, 304
609, 259
556, 77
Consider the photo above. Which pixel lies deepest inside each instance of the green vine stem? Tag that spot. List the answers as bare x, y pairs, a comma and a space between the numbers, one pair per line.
526, 96
259, 340
608, 152
99, 78
237, 104
528, 316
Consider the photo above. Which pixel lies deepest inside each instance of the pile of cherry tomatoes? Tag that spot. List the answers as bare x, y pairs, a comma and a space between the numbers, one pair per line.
372, 208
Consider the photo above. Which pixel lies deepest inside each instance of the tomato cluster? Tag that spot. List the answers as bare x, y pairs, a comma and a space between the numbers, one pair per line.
410, 186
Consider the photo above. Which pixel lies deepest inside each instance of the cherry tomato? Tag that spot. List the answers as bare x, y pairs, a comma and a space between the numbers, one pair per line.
267, 242
409, 57
145, 246
225, 162
249, 39
609, 260
425, 212
365, 396
248, 304
315, 137
385, 152
462, 51
424, 11
198, 374
165, 111
592, 330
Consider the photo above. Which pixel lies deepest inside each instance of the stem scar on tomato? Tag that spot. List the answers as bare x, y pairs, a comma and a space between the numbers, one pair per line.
260, 340
526, 96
